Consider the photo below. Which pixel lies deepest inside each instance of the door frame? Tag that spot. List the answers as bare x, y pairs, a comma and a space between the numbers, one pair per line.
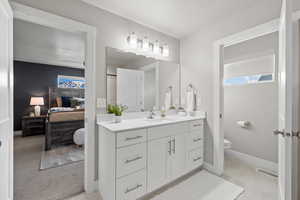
264, 29
40, 17
218, 92
7, 8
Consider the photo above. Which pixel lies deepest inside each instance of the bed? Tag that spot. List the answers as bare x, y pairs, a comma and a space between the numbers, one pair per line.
62, 122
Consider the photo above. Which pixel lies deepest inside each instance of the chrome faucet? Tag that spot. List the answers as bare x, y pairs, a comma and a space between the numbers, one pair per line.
151, 114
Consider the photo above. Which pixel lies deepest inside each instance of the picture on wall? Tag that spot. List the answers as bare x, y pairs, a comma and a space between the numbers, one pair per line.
70, 82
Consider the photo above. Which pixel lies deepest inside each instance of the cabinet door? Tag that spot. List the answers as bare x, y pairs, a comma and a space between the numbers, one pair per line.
158, 162
178, 155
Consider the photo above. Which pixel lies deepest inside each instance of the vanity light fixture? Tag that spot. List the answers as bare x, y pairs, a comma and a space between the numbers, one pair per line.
144, 46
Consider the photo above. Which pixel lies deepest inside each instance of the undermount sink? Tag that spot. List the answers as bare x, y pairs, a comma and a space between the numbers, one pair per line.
158, 119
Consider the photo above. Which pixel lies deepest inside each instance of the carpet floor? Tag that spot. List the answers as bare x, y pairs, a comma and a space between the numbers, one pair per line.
62, 155
52, 184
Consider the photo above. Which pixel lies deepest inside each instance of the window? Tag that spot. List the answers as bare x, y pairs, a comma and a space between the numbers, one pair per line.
70, 82
242, 80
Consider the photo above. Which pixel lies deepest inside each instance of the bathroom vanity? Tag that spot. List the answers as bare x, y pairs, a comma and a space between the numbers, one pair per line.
138, 156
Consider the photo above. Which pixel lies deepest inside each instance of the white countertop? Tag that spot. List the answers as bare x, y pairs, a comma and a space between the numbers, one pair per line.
129, 124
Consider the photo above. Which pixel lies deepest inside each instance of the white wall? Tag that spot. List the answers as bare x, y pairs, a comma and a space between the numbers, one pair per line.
197, 55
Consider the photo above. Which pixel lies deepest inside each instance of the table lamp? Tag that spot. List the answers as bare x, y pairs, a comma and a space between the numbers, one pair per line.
37, 102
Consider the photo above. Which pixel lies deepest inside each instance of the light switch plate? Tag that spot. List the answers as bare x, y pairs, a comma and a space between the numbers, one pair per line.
101, 102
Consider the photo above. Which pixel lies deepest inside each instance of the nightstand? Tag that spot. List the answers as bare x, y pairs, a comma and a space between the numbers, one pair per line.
34, 125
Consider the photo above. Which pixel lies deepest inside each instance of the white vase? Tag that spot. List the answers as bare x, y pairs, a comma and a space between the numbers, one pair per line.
118, 119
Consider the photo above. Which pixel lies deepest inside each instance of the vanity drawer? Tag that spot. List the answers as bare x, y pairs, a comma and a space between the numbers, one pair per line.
196, 125
131, 159
195, 158
167, 130
195, 140
131, 187
131, 137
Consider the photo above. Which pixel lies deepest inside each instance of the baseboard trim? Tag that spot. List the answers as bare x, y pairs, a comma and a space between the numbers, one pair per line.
253, 161
209, 167
18, 133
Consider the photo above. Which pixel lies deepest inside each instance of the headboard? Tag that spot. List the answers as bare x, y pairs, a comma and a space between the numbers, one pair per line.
67, 92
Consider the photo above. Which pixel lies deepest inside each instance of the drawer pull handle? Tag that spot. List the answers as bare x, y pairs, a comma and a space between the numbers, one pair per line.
174, 146
196, 159
134, 188
197, 139
133, 138
170, 151
134, 159
196, 125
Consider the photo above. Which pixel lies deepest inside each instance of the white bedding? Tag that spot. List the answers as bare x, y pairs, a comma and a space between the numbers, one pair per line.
61, 109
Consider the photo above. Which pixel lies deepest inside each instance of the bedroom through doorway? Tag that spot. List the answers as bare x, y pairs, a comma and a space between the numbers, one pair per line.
49, 110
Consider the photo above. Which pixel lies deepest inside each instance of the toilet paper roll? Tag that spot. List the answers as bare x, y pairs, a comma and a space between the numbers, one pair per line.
243, 124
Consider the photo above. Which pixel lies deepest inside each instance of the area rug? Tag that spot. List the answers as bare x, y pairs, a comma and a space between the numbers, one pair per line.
202, 186
60, 156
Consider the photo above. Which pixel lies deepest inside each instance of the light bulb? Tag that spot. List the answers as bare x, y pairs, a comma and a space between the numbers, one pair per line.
166, 50
145, 44
132, 40
156, 48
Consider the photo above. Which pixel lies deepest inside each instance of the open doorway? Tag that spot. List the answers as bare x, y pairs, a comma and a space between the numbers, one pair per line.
288, 103
250, 83
88, 33
49, 106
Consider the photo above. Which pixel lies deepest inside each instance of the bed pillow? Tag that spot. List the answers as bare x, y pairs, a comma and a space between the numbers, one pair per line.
77, 102
66, 101
58, 101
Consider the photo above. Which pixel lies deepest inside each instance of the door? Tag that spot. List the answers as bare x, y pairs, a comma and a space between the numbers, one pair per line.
178, 155
111, 90
130, 89
159, 154
285, 81
6, 133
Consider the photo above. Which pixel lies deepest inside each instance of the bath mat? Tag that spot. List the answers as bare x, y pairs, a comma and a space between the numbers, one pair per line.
202, 186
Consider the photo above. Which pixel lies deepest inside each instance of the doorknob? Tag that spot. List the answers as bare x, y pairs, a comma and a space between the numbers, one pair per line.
278, 132
296, 134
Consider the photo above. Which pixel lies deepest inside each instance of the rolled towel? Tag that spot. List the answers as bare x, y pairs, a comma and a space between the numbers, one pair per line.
190, 101
168, 100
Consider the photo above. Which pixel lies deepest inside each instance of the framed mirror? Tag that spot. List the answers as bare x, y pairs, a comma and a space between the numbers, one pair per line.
141, 83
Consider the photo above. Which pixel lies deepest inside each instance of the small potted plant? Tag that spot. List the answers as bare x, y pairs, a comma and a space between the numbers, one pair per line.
110, 109
118, 111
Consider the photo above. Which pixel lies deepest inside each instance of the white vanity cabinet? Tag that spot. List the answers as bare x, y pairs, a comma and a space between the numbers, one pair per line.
166, 154
138, 161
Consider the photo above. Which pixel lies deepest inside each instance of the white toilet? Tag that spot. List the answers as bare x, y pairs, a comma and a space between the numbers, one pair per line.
227, 144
